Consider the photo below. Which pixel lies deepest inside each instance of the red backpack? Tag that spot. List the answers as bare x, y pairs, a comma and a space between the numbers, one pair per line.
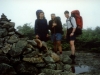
78, 18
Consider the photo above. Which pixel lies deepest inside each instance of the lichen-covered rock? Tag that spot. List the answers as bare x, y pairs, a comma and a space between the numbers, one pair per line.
32, 54
32, 42
6, 48
34, 60
51, 72
67, 67
40, 65
17, 48
6, 69
51, 66
55, 57
66, 59
27, 51
59, 66
48, 59
13, 39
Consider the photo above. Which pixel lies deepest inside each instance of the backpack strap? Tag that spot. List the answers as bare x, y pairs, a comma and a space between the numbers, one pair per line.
70, 21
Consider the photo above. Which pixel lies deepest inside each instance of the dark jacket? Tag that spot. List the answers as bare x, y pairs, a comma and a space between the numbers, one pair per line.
57, 28
41, 27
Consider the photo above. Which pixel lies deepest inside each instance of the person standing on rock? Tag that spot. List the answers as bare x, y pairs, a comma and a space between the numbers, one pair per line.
41, 27
55, 27
70, 36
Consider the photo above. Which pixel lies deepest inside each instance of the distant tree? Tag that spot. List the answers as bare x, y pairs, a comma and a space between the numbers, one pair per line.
27, 30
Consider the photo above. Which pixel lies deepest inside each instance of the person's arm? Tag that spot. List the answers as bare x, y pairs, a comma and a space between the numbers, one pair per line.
36, 29
74, 24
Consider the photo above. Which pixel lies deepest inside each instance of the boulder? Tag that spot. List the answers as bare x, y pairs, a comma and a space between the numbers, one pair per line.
55, 57
32, 42
6, 69
48, 59
13, 39
17, 48
6, 48
26, 69
4, 59
66, 59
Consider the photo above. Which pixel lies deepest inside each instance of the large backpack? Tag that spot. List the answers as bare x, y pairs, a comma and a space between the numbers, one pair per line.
78, 18
38, 12
79, 21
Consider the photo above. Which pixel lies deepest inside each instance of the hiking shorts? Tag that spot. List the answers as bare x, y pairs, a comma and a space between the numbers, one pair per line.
68, 37
56, 37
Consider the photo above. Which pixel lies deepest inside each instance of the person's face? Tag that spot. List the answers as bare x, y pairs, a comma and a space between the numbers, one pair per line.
52, 16
67, 15
41, 15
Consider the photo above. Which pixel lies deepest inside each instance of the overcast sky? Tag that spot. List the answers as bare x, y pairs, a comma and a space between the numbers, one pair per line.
24, 11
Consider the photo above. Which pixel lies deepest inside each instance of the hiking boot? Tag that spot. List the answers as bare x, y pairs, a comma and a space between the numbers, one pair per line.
72, 57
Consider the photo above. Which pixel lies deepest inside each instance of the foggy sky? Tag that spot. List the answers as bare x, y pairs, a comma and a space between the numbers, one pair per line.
24, 11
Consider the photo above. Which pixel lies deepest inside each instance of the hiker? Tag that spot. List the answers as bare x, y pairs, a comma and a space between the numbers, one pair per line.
55, 27
70, 35
41, 27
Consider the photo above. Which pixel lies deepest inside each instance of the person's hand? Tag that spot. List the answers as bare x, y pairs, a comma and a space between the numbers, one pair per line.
37, 36
71, 34
47, 35
54, 24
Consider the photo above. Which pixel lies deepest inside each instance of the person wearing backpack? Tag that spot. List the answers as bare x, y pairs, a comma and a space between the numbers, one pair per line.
41, 27
55, 27
70, 35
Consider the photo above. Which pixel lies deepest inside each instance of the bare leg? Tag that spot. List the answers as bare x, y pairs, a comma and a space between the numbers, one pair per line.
72, 47
59, 46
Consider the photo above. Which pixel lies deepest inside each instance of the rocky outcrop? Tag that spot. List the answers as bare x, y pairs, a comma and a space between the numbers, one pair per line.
22, 56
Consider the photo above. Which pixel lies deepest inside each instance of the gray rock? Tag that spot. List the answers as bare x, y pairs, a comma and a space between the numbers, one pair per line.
27, 51
55, 57
3, 32
32, 42
11, 29
13, 39
6, 69
4, 59
51, 66
6, 48
11, 33
67, 67
1, 42
18, 48
66, 60
11, 24
26, 69
59, 66
42, 74
32, 54
15, 60
19, 33
48, 59
33, 60
40, 65
51, 72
